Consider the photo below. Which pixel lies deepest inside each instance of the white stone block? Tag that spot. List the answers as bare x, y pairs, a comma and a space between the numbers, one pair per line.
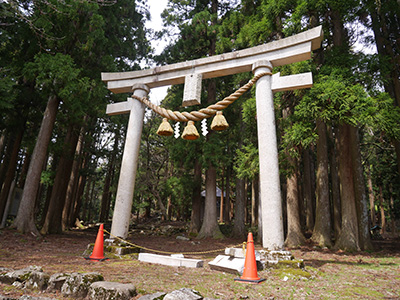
170, 261
238, 253
192, 90
227, 264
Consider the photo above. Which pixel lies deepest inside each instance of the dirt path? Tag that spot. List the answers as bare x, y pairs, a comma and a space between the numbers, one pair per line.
334, 275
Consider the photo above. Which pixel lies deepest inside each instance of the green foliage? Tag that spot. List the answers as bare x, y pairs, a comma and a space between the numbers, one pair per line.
247, 164
333, 98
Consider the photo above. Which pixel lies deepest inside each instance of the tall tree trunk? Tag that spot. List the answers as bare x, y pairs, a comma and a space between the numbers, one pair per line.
25, 221
195, 219
239, 229
210, 226
322, 228
106, 196
52, 223
382, 211
360, 191
335, 185
10, 174
348, 238
81, 188
295, 236
2, 142
227, 204
254, 201
308, 197
66, 219
86, 202
371, 200
221, 203
24, 170
5, 158
386, 50
393, 228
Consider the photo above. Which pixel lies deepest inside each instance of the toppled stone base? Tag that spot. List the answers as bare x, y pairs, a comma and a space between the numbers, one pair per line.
183, 294
227, 264
113, 250
77, 284
155, 296
170, 260
105, 290
30, 277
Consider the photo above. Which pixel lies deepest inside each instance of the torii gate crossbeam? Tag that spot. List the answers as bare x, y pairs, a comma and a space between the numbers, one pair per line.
258, 59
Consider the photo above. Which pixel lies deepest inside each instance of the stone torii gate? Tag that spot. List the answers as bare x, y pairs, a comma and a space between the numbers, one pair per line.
259, 59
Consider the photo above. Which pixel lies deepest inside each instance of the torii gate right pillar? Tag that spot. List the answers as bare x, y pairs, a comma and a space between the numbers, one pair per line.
270, 191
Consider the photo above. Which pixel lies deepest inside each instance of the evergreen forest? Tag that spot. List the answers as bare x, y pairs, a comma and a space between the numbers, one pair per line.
339, 141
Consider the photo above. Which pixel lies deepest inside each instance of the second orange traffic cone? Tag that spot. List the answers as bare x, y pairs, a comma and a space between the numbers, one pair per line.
98, 249
250, 265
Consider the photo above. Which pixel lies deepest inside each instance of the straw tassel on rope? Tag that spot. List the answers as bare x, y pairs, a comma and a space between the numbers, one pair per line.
219, 122
165, 128
190, 132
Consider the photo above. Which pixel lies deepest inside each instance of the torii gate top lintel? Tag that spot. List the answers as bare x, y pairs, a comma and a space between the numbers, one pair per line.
281, 52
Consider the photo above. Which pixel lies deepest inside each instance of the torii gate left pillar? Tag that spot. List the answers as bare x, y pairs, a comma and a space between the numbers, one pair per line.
130, 157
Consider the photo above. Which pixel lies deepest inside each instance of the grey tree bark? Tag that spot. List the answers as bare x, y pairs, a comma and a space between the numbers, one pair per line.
25, 221
53, 221
322, 229
195, 219
210, 227
239, 229
295, 236
348, 238
360, 191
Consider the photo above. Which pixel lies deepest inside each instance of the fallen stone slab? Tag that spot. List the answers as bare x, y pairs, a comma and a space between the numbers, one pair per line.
19, 275
105, 290
77, 284
267, 255
57, 280
6, 298
239, 253
227, 264
37, 280
183, 294
170, 261
154, 296
26, 297
5, 270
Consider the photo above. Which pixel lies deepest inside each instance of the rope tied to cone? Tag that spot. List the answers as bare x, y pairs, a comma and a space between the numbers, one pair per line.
167, 252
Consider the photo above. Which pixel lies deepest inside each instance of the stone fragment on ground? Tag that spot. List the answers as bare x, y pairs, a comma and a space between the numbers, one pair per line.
26, 297
154, 296
31, 277
56, 281
77, 284
105, 290
183, 294
170, 261
227, 264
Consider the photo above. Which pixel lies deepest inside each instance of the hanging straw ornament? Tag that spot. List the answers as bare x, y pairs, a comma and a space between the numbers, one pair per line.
176, 127
190, 132
165, 128
204, 130
219, 122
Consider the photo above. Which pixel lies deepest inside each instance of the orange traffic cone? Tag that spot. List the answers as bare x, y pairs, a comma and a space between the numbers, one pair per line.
98, 251
250, 265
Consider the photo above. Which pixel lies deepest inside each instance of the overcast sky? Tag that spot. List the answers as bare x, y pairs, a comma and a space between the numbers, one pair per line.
156, 8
